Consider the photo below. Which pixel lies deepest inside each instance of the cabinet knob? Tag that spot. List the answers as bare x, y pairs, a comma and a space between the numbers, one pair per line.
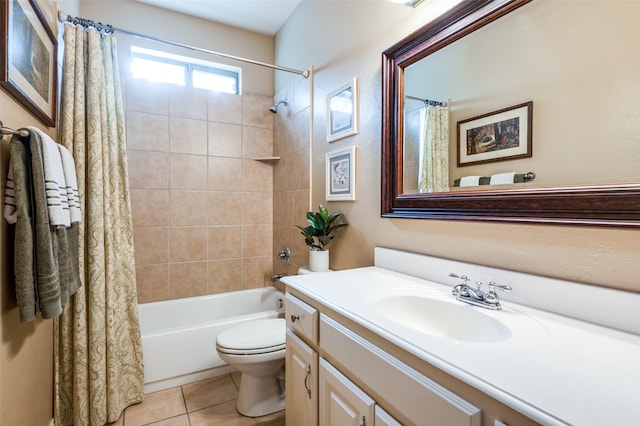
294, 317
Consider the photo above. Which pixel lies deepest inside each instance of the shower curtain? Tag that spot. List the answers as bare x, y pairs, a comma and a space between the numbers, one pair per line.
433, 173
98, 352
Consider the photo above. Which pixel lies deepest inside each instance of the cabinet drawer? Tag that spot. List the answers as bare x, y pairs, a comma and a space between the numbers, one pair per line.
415, 398
302, 318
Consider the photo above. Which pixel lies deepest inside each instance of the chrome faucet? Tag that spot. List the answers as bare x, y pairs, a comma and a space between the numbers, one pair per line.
489, 300
276, 277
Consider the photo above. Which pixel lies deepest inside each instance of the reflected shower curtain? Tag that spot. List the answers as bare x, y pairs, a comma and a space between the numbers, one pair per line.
98, 352
433, 174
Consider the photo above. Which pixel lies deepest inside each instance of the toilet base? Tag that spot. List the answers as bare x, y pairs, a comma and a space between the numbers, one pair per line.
259, 396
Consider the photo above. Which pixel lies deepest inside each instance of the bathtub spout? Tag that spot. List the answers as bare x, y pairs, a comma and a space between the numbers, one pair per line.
276, 277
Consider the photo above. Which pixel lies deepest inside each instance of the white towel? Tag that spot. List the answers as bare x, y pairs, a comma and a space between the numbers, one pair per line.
502, 178
55, 186
71, 180
470, 181
10, 211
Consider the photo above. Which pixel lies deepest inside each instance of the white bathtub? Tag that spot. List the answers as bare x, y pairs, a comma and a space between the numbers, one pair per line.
179, 336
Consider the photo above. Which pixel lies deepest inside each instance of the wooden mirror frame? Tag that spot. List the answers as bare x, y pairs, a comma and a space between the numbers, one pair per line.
605, 205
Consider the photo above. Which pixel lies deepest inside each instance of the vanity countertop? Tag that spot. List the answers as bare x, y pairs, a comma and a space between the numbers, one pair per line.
567, 372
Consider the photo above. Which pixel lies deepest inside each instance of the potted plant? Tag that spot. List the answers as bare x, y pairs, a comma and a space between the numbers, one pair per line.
318, 235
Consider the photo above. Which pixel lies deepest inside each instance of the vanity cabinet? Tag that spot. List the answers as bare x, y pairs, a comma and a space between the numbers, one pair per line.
302, 382
335, 377
301, 360
340, 401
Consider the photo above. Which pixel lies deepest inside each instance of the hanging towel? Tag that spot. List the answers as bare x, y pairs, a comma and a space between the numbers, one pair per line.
46, 262
502, 178
24, 248
470, 181
46, 259
10, 212
56, 188
71, 180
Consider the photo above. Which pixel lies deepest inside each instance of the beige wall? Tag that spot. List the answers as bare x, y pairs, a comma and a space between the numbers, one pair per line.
344, 39
26, 357
202, 207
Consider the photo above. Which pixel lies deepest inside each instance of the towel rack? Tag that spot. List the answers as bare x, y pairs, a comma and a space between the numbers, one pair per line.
8, 131
517, 178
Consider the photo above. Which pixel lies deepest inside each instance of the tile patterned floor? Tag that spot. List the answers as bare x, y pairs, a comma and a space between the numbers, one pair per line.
211, 402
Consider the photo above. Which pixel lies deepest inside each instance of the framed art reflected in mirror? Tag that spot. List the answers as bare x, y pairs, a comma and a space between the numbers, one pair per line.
499, 135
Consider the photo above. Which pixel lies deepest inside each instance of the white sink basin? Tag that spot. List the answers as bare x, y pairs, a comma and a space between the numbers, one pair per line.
456, 321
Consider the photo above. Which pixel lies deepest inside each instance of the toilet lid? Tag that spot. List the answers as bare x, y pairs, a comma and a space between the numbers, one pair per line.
259, 336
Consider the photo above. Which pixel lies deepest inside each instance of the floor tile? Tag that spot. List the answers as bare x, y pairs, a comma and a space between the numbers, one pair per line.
182, 420
275, 419
236, 376
156, 406
220, 415
209, 392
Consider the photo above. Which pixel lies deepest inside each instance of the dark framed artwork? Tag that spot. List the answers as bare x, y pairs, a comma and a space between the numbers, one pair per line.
29, 67
499, 135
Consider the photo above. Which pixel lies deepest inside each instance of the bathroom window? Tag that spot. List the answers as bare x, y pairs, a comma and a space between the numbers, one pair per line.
167, 68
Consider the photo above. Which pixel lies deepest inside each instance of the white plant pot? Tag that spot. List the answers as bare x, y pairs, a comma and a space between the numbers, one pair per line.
319, 261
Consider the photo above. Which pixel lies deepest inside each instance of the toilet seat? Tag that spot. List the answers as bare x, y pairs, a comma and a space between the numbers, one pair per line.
254, 337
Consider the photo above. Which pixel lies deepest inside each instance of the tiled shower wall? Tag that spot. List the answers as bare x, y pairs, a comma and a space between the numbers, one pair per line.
202, 207
292, 135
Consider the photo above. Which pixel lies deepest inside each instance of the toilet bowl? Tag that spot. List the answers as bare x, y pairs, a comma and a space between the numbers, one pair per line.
257, 350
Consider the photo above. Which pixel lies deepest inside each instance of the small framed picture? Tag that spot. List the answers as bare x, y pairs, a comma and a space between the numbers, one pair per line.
28, 47
499, 135
341, 175
342, 111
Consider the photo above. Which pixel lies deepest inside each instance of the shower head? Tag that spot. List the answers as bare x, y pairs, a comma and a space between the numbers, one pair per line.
274, 108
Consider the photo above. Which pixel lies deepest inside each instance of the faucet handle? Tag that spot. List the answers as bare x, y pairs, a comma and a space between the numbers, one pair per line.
492, 285
462, 277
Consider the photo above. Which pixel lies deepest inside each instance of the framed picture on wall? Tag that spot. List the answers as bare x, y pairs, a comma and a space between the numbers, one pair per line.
29, 67
499, 135
341, 175
342, 111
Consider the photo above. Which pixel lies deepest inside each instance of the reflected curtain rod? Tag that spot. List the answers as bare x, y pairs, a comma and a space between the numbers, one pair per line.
109, 29
428, 102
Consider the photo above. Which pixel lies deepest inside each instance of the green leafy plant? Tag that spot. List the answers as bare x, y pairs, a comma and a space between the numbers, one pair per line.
321, 229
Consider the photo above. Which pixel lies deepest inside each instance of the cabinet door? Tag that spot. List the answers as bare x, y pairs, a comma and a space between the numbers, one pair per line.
384, 419
342, 403
302, 382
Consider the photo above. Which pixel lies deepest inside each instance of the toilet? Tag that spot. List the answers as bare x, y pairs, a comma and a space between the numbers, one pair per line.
257, 350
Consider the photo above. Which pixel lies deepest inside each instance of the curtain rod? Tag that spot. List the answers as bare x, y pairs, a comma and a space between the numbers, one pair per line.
428, 102
62, 17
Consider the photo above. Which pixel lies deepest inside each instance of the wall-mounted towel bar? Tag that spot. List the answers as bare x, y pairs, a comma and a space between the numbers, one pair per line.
486, 180
8, 131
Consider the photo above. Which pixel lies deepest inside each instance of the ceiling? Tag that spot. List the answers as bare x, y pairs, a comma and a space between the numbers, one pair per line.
261, 16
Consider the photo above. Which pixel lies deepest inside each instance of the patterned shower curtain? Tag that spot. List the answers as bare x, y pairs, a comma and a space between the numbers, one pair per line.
433, 174
97, 349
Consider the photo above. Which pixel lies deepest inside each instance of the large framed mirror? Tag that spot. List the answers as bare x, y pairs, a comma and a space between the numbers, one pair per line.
573, 63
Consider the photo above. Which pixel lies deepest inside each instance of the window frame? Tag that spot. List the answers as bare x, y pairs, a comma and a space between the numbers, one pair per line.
190, 65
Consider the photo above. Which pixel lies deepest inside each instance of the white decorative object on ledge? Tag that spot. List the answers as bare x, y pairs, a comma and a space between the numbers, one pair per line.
319, 260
